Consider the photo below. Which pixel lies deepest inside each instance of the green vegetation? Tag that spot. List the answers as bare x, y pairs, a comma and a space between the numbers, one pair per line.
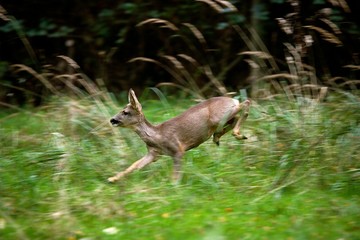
209, 39
296, 177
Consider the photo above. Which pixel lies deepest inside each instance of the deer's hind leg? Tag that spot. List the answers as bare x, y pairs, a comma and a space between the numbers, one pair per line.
241, 120
234, 123
228, 126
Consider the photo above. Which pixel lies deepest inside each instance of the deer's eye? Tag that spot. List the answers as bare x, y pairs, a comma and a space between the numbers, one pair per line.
126, 113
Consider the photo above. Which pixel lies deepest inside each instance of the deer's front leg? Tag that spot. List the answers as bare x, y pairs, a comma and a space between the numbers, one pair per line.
177, 174
147, 159
241, 120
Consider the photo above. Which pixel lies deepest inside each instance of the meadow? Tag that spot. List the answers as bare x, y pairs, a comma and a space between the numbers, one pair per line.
297, 176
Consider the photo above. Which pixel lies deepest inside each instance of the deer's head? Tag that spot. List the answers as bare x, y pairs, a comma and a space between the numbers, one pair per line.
131, 115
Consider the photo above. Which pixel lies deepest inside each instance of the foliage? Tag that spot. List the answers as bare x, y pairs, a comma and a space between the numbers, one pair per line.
109, 33
297, 176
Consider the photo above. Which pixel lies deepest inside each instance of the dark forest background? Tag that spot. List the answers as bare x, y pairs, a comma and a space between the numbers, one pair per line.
65, 70
117, 42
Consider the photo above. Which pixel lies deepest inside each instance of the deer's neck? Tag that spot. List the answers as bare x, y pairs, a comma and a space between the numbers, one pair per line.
146, 131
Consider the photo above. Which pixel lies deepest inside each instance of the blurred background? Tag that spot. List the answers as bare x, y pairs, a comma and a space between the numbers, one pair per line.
205, 37
66, 67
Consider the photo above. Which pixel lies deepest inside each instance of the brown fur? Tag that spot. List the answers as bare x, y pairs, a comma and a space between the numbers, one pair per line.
213, 117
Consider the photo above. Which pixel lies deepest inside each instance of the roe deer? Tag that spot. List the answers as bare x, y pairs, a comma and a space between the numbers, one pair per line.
215, 116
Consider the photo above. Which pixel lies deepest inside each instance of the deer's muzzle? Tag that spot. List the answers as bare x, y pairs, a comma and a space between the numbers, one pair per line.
115, 122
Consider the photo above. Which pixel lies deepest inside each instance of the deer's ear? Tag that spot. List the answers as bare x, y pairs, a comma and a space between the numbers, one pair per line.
134, 101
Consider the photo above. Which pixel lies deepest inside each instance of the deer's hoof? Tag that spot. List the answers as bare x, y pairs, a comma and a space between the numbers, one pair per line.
112, 179
239, 136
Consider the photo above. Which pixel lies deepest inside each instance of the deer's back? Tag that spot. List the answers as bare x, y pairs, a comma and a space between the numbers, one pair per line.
199, 122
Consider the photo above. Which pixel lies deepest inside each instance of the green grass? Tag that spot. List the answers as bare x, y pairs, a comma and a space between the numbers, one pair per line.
296, 177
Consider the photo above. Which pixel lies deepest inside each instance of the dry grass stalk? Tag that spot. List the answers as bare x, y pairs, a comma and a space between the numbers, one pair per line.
293, 58
184, 72
5, 17
259, 54
254, 44
174, 74
3, 14
287, 90
178, 66
189, 59
317, 92
326, 35
250, 45
164, 23
280, 75
144, 59
89, 85
341, 3
297, 86
229, 6
332, 81
185, 89
264, 49
20, 68
70, 61
213, 5
220, 87
332, 25
275, 83
285, 26
352, 67
322, 94
197, 34
351, 83
68, 80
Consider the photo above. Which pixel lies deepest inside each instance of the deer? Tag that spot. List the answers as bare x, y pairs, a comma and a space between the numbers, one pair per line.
213, 117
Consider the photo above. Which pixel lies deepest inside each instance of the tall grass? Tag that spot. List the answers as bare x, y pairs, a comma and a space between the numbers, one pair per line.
296, 177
